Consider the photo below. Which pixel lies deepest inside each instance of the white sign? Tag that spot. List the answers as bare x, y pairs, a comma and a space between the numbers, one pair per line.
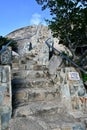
74, 76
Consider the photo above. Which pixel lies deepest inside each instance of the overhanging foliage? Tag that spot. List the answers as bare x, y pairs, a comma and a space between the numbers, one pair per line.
69, 22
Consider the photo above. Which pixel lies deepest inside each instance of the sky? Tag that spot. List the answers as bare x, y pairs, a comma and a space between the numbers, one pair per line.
15, 14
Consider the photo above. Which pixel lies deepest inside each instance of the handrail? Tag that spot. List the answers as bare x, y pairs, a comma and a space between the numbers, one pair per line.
5, 47
65, 57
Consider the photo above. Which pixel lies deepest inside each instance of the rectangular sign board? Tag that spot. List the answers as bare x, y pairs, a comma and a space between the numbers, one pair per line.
74, 76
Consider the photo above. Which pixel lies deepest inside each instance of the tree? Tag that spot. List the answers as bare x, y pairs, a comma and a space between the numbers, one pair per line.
4, 41
69, 22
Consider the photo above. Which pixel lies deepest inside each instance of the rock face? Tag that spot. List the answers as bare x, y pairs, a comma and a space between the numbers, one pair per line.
54, 63
5, 97
47, 101
30, 35
61, 47
44, 96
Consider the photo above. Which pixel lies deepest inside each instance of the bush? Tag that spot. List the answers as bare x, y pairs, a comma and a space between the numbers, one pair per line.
4, 41
84, 77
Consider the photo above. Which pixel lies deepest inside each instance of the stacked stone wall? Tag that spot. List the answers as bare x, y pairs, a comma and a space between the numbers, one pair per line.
5, 97
73, 92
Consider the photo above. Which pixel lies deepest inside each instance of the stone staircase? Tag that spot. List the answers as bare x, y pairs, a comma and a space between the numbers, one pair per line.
33, 84
37, 98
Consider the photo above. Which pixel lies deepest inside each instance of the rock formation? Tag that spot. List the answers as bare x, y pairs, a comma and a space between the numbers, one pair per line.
45, 97
30, 34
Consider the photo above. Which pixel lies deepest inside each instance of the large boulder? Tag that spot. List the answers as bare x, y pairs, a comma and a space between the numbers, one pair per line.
61, 47
54, 63
30, 35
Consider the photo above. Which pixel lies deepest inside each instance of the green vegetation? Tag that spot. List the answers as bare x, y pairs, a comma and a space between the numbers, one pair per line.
69, 22
84, 77
4, 41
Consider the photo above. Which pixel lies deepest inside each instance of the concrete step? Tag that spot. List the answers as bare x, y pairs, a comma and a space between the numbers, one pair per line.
24, 96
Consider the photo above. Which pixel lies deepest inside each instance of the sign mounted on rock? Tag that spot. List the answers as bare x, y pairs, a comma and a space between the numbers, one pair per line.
74, 76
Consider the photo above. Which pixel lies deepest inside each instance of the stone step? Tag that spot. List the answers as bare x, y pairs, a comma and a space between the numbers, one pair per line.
39, 107
5, 117
15, 66
18, 83
28, 61
40, 67
28, 66
31, 55
36, 67
24, 96
23, 62
41, 123
51, 115
23, 65
29, 74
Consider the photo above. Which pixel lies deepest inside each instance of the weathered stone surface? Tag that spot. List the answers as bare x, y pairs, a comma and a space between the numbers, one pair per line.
61, 47
5, 97
31, 34
44, 123
25, 123
5, 85
54, 63
39, 108
27, 95
0, 122
35, 92
44, 100
6, 56
73, 91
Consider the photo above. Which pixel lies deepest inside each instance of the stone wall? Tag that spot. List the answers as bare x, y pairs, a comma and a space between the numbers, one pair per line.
6, 56
73, 92
5, 97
